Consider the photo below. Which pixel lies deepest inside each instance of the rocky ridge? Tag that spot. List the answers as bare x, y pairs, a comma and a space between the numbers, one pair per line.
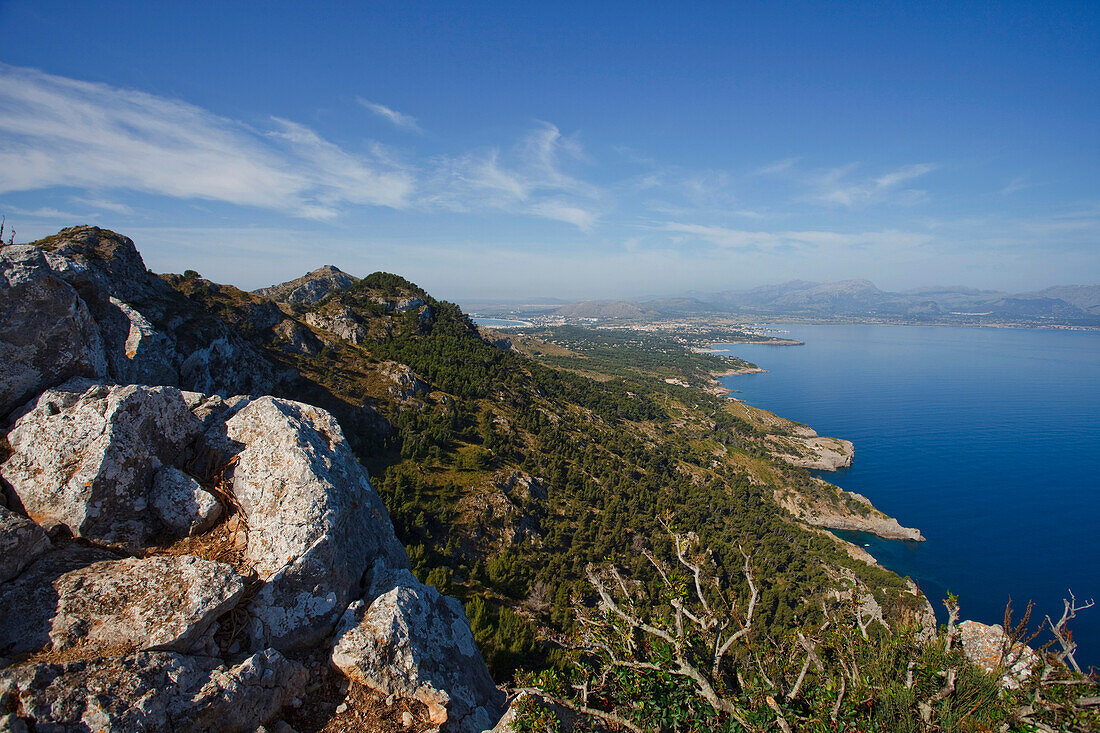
183, 559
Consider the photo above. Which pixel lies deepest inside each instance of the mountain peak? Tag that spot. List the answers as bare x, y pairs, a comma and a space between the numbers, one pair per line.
311, 287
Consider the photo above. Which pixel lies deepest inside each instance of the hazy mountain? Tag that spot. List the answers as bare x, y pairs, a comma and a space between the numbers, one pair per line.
1067, 304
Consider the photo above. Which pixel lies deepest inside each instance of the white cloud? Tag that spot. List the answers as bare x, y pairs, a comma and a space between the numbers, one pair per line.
764, 241
62, 132
104, 205
837, 186
397, 119
779, 166
530, 179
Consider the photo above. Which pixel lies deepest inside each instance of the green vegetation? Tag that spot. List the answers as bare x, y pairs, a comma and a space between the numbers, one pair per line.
631, 354
511, 475
508, 476
695, 659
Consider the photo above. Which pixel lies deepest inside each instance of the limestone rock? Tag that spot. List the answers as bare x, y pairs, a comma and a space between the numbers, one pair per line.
342, 323
226, 366
184, 507
414, 643
35, 597
403, 381
311, 287
100, 264
315, 523
47, 334
84, 456
297, 339
21, 541
142, 355
982, 645
153, 692
163, 603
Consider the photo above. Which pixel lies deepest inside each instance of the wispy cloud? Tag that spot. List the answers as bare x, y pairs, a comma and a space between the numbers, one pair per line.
47, 213
100, 204
62, 132
529, 179
840, 187
785, 240
1019, 183
779, 166
397, 119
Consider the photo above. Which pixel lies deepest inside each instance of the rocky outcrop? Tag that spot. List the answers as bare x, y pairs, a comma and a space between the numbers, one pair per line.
227, 366
828, 506
412, 642
988, 648
34, 596
145, 356
806, 449
315, 523
125, 494
342, 323
151, 691
404, 383
21, 541
297, 339
311, 287
161, 603
47, 333
85, 454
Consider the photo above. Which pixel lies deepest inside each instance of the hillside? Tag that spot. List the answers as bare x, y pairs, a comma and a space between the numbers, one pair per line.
510, 470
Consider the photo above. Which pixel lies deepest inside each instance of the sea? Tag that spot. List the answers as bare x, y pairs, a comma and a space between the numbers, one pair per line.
986, 439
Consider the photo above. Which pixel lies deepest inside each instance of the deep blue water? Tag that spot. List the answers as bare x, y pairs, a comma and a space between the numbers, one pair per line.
986, 439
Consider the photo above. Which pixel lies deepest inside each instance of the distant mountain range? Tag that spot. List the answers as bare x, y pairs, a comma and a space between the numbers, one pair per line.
1066, 304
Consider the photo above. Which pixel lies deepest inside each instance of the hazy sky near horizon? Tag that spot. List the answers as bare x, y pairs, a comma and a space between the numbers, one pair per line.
507, 150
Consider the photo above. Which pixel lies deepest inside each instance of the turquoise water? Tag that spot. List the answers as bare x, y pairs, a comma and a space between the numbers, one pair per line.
986, 439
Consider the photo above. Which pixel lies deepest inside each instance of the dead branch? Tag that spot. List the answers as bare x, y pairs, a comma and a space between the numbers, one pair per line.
783, 725
951, 603
1063, 635
839, 698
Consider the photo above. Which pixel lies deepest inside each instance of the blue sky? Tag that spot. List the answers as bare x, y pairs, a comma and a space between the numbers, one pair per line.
503, 150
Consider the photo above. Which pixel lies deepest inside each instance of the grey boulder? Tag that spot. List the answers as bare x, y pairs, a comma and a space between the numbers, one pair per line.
162, 603
21, 541
315, 524
47, 334
85, 454
28, 603
413, 642
184, 506
151, 692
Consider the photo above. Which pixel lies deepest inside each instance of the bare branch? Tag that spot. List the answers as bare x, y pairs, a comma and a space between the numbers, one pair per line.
783, 725
801, 676
839, 698
1064, 637
747, 626
951, 603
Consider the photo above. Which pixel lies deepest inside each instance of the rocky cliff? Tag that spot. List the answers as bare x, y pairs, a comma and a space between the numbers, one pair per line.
175, 557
